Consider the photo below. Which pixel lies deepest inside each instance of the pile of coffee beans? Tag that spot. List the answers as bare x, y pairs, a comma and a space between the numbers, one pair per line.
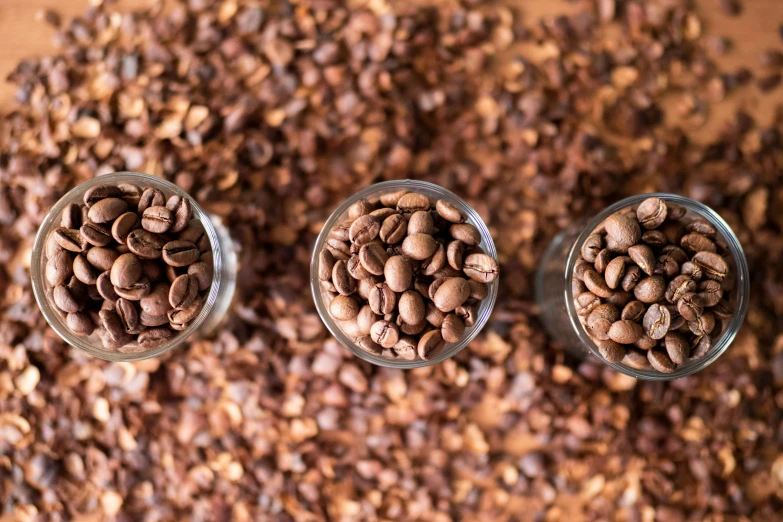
652, 287
130, 265
403, 277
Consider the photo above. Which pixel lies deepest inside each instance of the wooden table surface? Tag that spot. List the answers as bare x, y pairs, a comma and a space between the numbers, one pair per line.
752, 32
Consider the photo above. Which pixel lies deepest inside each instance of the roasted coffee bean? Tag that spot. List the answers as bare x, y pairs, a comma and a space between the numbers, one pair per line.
344, 308
693, 243
126, 270
703, 227
591, 247
468, 314
99, 192
650, 289
411, 307
123, 226
660, 361
373, 258
180, 253
447, 272
452, 328
601, 260
382, 213
130, 193
419, 246
360, 208
710, 292
625, 332
667, 266
712, 265
652, 212
326, 263
435, 262
611, 351
478, 291
148, 320
631, 278
690, 306
135, 291
70, 240
598, 327
196, 234
114, 344
71, 217
128, 315
84, 270
619, 298
451, 294
105, 288
700, 346
364, 229
432, 315
481, 268
449, 212
430, 345
390, 199
107, 210
623, 229
657, 321
157, 220
80, 323
704, 324
406, 347
644, 258
385, 333
157, 301
596, 283
645, 342
636, 359
382, 299
577, 286
366, 285
366, 343
342, 280
365, 319
723, 310
466, 233
615, 271
67, 300
420, 223
394, 229
111, 323
59, 268
581, 266
183, 291
341, 231
434, 287
633, 311
355, 268
679, 286
675, 212
654, 238
185, 315
203, 274
398, 273
96, 234
145, 244
413, 202
181, 211
691, 270
676, 347
150, 197
586, 302
155, 337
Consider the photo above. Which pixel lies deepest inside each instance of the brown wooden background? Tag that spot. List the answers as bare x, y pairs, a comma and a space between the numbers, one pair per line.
756, 29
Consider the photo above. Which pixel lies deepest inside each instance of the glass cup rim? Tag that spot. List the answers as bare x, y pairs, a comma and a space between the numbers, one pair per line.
743, 284
485, 309
50, 222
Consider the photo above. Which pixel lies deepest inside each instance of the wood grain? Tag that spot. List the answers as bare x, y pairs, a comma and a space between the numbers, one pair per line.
752, 32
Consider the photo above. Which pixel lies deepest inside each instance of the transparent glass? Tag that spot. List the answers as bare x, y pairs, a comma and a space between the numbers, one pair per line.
373, 194
216, 304
555, 299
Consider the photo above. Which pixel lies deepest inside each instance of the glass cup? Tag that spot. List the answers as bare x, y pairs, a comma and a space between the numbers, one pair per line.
216, 304
373, 194
555, 299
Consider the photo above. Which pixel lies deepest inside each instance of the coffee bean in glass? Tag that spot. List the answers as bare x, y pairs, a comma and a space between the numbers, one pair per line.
180, 253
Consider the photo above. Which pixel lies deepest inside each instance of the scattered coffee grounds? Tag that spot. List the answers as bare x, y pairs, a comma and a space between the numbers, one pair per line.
272, 117
652, 280
403, 277
129, 265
